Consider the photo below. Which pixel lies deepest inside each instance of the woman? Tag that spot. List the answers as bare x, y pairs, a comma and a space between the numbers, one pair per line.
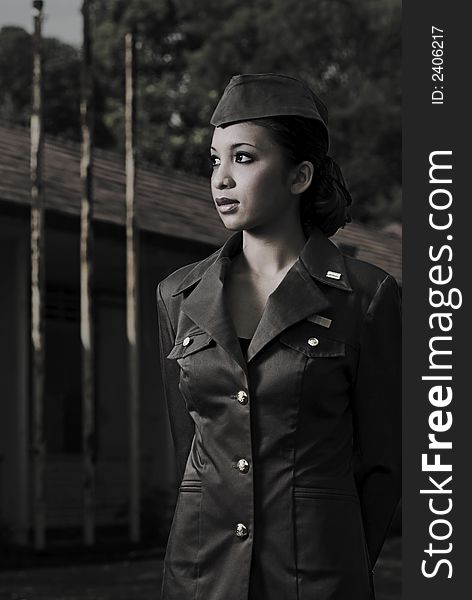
288, 439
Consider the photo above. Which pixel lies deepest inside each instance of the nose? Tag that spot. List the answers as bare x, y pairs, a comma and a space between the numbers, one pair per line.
222, 178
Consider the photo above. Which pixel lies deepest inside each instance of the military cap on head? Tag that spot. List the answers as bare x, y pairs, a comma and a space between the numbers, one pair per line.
255, 96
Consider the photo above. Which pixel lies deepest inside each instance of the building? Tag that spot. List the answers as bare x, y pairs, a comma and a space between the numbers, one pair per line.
178, 225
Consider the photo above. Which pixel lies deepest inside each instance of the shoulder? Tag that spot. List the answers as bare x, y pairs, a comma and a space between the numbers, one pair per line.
369, 281
366, 276
168, 286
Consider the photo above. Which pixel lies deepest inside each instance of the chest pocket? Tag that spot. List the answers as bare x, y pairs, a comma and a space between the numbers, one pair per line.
327, 363
189, 345
310, 339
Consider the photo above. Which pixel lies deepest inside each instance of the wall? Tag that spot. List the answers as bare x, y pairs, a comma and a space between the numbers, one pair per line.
63, 478
14, 391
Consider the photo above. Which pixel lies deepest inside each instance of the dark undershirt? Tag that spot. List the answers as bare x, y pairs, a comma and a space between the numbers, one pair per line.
244, 344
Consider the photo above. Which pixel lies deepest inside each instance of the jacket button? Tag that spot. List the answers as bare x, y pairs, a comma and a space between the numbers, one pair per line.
186, 341
313, 341
243, 465
242, 397
241, 530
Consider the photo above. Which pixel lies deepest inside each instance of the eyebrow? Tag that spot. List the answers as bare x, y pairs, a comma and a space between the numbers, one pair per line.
233, 146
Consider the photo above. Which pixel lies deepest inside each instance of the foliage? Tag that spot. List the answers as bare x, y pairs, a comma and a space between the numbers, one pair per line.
61, 67
61, 85
348, 50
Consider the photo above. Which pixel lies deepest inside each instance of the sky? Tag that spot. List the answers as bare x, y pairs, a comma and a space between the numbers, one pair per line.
61, 18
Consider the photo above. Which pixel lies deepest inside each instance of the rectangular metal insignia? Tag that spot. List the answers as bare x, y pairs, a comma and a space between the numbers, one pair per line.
319, 320
333, 275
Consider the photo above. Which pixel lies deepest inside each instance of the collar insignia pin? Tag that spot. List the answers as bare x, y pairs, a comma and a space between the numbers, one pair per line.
333, 275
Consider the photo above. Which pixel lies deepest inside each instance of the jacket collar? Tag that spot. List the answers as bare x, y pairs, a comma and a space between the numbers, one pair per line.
297, 297
321, 257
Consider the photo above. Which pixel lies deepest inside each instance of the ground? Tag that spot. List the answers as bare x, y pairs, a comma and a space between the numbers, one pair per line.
138, 578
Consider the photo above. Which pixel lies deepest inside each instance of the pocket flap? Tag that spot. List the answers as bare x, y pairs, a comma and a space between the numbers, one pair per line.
190, 344
312, 344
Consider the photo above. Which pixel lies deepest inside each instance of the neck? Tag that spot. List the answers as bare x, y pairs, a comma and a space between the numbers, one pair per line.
267, 252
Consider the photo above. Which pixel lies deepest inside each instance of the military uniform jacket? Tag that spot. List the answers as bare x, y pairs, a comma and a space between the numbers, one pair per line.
289, 458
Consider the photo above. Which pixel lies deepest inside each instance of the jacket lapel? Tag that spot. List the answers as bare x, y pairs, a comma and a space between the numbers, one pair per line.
298, 295
206, 307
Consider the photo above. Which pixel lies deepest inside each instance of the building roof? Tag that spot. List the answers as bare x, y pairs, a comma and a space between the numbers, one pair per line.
168, 202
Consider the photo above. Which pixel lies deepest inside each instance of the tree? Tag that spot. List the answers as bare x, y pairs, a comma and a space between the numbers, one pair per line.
61, 80
61, 86
348, 50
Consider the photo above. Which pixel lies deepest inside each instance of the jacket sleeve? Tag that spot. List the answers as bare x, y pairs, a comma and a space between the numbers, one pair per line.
377, 415
181, 424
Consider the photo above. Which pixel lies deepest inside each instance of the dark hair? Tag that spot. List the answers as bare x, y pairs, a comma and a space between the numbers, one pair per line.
325, 202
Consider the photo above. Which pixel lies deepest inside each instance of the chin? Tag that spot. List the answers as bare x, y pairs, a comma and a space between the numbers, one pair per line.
233, 226
233, 222
239, 221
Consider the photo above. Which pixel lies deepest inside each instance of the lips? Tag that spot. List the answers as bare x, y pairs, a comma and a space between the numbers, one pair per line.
223, 200
227, 205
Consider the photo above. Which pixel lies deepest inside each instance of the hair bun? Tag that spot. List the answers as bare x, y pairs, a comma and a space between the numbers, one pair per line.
327, 208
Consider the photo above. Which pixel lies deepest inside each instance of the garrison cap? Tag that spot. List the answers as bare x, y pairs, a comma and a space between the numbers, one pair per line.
254, 96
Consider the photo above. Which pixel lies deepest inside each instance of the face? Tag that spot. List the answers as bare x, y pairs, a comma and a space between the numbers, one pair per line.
251, 180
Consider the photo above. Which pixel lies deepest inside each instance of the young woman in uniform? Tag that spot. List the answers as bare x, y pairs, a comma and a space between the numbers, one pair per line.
281, 367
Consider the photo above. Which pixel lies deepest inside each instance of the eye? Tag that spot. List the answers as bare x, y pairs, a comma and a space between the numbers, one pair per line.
214, 161
243, 157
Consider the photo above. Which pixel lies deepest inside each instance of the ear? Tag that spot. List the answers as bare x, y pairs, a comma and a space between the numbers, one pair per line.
302, 176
